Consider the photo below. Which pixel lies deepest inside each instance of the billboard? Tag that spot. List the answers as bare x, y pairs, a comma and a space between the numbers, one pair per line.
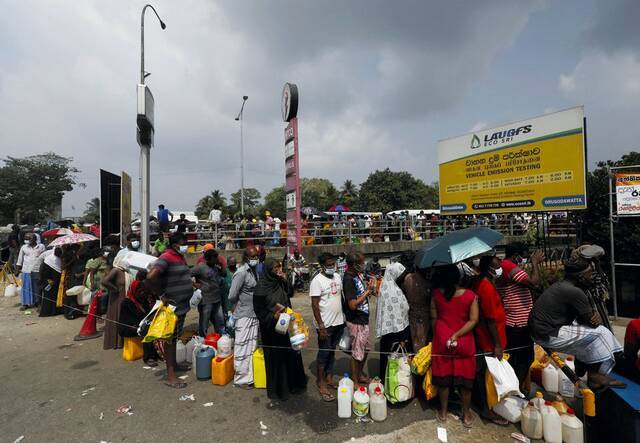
125, 208
628, 193
110, 204
530, 165
292, 166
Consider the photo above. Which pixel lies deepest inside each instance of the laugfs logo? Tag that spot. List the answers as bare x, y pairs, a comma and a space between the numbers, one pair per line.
499, 137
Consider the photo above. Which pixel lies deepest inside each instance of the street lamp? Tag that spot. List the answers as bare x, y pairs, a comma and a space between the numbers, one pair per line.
240, 118
145, 133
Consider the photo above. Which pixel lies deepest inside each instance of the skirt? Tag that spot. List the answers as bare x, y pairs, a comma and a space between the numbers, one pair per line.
28, 295
246, 329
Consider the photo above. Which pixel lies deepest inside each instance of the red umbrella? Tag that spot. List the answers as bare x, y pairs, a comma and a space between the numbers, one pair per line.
56, 232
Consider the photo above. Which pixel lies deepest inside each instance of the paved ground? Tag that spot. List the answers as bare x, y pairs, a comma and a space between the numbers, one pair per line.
44, 374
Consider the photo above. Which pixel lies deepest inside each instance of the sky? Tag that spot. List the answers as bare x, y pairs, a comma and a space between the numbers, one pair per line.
380, 83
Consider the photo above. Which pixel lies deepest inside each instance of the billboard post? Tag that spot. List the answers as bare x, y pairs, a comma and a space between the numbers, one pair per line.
125, 208
531, 165
292, 166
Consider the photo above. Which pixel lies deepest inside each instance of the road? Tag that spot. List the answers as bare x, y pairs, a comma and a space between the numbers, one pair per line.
55, 389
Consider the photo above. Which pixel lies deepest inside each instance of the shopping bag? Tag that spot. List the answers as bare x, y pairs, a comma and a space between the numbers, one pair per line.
163, 324
504, 377
259, 369
421, 362
143, 326
398, 378
430, 391
345, 341
196, 298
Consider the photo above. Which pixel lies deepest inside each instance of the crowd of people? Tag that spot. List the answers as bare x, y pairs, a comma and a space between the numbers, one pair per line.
482, 306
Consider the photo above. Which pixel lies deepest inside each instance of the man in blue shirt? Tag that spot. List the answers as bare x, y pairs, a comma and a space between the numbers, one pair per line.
164, 217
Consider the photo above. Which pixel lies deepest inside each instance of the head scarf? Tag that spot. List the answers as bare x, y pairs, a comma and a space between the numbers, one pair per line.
392, 314
53, 262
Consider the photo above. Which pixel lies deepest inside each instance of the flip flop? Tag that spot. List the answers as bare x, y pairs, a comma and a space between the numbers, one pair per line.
616, 384
327, 396
439, 418
176, 385
333, 384
467, 424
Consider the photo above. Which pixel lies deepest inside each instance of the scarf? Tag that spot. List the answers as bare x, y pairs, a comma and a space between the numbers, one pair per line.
53, 262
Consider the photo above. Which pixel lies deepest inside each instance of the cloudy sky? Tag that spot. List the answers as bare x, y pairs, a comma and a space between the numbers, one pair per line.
380, 83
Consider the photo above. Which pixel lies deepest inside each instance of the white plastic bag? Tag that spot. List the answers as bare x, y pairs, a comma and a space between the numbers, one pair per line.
398, 379
76, 291
196, 298
12, 290
504, 377
345, 341
85, 297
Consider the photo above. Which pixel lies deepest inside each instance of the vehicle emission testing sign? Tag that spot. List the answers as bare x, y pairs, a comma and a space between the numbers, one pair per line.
628, 193
531, 165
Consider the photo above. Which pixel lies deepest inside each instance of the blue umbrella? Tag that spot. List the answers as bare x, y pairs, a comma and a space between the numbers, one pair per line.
457, 246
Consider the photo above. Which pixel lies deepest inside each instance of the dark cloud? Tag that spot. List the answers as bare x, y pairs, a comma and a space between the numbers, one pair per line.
614, 26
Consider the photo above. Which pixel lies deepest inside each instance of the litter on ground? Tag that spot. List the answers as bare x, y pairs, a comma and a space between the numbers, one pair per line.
186, 397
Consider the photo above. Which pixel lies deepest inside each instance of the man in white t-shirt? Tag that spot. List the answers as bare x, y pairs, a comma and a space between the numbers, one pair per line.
326, 303
215, 215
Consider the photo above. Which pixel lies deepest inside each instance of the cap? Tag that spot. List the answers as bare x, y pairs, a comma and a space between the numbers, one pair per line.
590, 251
207, 247
576, 265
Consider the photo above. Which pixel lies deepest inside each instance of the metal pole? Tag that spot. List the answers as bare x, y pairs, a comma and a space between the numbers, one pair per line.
241, 163
613, 257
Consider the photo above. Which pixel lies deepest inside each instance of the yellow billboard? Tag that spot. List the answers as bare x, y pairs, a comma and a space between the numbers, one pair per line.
531, 165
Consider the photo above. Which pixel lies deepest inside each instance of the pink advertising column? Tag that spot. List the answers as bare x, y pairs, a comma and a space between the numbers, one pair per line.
292, 166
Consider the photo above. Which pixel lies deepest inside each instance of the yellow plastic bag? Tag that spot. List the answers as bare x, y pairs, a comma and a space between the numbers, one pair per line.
421, 361
132, 349
259, 369
430, 391
163, 324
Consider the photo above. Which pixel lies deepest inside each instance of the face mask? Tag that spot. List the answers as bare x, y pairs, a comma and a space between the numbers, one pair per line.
135, 244
329, 272
497, 272
105, 254
184, 249
254, 262
26, 242
476, 262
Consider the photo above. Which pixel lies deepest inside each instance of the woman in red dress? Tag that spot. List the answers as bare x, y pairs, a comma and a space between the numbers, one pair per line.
454, 312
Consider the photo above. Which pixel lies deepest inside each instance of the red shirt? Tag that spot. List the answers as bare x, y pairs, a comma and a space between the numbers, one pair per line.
632, 341
516, 298
490, 309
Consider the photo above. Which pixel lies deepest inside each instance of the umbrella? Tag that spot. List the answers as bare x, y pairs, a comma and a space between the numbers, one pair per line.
457, 246
72, 239
309, 210
57, 231
339, 208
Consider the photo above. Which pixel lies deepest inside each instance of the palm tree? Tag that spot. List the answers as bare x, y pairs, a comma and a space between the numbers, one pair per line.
207, 203
348, 193
92, 211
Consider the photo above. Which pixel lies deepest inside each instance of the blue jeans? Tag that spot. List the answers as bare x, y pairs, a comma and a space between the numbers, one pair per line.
211, 312
326, 355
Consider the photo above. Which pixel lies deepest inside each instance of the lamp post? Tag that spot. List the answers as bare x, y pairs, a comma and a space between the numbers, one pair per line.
240, 118
145, 136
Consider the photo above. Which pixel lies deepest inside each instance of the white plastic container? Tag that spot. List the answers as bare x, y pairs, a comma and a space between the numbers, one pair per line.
360, 403
375, 383
298, 341
551, 424
538, 400
181, 352
565, 386
550, 379
282, 326
344, 402
378, 405
510, 408
572, 431
346, 382
190, 345
225, 346
531, 422
12, 290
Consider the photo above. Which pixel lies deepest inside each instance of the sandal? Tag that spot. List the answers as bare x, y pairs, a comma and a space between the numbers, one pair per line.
332, 384
497, 421
439, 418
467, 424
151, 363
176, 385
616, 384
326, 396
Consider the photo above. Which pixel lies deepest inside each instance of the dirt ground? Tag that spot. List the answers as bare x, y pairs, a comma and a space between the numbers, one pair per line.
55, 389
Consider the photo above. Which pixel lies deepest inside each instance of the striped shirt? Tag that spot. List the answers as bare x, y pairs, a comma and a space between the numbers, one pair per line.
176, 279
516, 298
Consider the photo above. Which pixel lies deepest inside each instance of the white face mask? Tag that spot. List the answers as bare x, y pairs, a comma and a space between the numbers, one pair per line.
329, 272
135, 244
254, 262
497, 272
184, 249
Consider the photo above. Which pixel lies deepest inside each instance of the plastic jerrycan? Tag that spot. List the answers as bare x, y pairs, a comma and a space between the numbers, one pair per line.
565, 386
222, 370
360, 403
572, 428
538, 400
344, 401
203, 363
190, 345
550, 379
531, 422
375, 383
551, 424
181, 352
378, 405
225, 346
346, 382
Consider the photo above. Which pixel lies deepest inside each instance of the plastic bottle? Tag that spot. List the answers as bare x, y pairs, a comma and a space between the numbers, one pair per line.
551, 424
360, 403
538, 400
375, 383
346, 382
565, 386
572, 431
550, 379
344, 402
531, 422
378, 405
282, 326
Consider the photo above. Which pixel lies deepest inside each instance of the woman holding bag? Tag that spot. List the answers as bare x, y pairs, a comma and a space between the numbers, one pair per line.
285, 371
392, 315
454, 312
